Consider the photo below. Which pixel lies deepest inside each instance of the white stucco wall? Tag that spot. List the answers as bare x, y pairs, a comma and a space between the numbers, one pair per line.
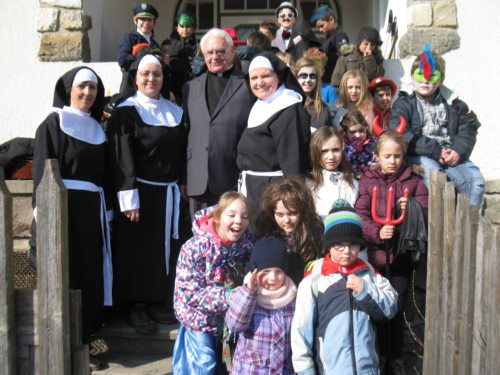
472, 71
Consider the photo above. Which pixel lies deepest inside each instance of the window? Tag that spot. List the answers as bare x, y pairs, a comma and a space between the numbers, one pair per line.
204, 12
250, 4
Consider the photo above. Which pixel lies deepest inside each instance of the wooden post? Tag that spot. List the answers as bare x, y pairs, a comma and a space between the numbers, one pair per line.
7, 301
455, 303
445, 322
471, 224
52, 267
434, 273
491, 310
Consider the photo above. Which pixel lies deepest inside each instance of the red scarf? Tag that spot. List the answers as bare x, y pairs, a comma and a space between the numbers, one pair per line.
330, 266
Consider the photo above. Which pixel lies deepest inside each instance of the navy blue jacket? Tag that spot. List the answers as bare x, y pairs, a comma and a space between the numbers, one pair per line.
124, 54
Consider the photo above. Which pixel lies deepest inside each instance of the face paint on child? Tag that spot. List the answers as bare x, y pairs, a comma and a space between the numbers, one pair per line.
418, 75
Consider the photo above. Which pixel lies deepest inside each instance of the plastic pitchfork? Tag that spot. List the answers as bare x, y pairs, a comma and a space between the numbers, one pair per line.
389, 219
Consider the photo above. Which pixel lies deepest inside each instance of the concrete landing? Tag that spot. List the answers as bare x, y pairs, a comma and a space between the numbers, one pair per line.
132, 353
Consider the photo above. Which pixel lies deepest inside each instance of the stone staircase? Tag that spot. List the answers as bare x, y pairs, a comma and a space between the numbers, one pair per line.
131, 353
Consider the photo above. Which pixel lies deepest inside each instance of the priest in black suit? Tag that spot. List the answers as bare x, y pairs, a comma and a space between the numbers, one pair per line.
216, 108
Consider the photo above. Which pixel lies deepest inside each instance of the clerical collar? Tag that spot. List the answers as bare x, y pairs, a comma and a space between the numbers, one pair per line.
226, 73
80, 125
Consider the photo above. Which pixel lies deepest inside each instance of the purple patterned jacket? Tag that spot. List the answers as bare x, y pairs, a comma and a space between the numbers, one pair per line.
264, 346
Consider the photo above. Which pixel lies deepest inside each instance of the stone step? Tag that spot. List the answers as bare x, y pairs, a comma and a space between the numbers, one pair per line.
122, 338
132, 353
137, 364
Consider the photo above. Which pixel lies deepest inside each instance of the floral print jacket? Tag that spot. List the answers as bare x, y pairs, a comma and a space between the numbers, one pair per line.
361, 155
201, 282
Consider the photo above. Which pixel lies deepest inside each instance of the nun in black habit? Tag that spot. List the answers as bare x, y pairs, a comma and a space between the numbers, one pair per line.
147, 148
276, 140
72, 134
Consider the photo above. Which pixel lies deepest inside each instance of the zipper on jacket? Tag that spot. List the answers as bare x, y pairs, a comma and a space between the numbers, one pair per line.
351, 333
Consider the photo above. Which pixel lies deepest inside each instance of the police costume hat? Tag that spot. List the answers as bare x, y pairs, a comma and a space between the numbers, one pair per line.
144, 10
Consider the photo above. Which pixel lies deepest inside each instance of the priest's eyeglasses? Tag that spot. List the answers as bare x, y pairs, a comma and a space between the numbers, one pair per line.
219, 52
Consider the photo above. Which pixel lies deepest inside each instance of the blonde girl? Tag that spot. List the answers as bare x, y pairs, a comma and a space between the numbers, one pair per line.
353, 93
219, 237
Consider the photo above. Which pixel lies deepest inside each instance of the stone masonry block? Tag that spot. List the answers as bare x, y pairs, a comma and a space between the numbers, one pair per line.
73, 20
47, 20
493, 187
72, 4
446, 14
441, 40
420, 15
64, 46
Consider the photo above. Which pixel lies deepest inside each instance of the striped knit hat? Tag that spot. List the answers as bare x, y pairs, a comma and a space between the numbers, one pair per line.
343, 225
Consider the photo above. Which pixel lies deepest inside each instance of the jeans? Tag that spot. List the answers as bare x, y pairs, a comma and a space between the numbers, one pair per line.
466, 176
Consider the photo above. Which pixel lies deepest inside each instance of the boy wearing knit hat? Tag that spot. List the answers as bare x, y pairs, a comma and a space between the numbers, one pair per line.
262, 310
332, 330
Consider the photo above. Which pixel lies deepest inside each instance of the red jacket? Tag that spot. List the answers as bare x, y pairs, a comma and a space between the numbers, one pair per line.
404, 178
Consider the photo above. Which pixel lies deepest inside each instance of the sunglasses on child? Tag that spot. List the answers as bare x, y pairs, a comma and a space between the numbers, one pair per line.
304, 76
287, 15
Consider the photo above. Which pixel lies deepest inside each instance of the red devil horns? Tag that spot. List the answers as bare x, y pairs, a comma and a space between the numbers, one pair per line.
378, 128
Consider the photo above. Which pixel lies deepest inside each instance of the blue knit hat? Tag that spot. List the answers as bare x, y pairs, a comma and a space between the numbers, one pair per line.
343, 225
268, 252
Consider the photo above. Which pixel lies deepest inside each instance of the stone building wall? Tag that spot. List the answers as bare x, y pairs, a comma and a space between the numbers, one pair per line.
63, 28
433, 21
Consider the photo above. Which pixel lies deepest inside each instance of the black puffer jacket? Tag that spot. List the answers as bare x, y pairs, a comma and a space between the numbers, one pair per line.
182, 53
462, 128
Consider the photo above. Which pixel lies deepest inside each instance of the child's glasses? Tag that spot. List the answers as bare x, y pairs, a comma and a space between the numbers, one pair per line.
286, 15
349, 246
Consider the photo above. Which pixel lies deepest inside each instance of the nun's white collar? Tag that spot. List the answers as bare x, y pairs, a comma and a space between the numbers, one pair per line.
262, 110
155, 112
80, 125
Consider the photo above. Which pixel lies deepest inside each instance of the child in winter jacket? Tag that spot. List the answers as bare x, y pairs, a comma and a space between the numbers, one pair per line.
392, 172
332, 331
359, 143
261, 312
220, 239
365, 56
439, 135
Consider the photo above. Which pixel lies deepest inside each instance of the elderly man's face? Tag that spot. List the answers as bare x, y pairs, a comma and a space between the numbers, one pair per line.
218, 55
